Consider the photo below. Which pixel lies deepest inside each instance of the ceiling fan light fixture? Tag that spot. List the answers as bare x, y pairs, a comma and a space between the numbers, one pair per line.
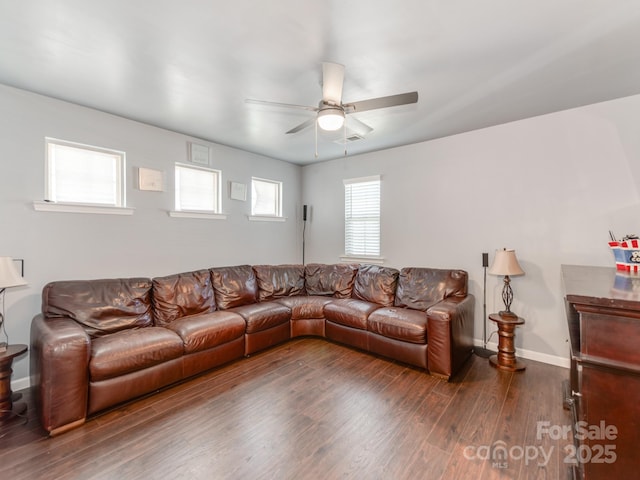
331, 118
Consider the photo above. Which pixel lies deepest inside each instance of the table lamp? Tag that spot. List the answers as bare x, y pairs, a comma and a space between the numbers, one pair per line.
505, 263
9, 277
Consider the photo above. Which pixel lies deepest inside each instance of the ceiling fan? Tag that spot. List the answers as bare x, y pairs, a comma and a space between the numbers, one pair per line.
331, 112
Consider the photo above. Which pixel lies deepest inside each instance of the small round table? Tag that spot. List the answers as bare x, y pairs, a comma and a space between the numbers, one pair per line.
506, 357
7, 407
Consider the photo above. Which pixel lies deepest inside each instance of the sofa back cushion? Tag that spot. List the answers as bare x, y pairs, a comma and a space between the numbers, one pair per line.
234, 286
334, 280
376, 284
100, 306
182, 294
419, 288
278, 281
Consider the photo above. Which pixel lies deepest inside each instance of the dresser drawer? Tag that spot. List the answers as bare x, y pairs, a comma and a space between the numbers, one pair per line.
609, 336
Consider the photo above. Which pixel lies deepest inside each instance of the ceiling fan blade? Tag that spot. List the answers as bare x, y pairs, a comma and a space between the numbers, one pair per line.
381, 102
302, 126
278, 104
332, 80
358, 127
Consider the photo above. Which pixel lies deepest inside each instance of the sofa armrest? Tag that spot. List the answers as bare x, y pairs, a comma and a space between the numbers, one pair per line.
449, 334
60, 351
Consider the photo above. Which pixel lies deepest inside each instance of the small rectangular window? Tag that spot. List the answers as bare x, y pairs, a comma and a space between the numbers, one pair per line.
84, 174
266, 197
197, 189
362, 216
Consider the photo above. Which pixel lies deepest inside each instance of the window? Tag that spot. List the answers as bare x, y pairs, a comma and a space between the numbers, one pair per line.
362, 217
266, 198
83, 174
197, 189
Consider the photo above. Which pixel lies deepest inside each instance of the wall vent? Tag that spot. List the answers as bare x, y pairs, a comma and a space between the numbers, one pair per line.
354, 137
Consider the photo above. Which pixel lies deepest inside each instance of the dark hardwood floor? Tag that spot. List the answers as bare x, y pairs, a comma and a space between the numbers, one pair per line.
312, 409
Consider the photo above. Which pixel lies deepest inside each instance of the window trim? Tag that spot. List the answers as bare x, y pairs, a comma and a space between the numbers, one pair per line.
195, 214
121, 186
362, 258
50, 205
203, 214
268, 217
47, 206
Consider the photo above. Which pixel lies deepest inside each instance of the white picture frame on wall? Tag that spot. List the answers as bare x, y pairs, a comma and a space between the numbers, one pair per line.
238, 191
150, 180
199, 154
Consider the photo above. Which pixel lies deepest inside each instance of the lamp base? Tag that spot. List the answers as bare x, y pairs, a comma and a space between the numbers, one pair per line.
507, 314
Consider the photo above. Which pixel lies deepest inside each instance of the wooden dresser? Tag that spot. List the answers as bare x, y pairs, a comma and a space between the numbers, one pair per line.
603, 312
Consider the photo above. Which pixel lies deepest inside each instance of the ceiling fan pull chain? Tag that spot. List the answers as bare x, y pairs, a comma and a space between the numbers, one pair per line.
316, 128
344, 137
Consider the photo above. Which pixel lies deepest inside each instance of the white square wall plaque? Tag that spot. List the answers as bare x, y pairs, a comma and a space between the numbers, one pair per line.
238, 191
199, 154
150, 180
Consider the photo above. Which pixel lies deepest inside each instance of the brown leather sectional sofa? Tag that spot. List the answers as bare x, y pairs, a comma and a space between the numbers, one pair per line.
98, 343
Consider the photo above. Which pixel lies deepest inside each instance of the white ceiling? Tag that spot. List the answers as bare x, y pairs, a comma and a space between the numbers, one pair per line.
189, 65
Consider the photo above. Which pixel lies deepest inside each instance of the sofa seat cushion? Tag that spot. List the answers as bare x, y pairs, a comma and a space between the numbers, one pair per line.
262, 316
400, 324
305, 307
201, 332
349, 312
131, 350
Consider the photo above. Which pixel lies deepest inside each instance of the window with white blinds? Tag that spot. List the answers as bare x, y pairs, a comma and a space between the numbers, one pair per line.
84, 174
362, 216
197, 189
266, 197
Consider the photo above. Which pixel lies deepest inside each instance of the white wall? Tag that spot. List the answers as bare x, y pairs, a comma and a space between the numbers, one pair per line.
550, 187
59, 246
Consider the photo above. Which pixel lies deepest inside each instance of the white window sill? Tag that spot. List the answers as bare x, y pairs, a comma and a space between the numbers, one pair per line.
203, 215
80, 208
266, 218
374, 260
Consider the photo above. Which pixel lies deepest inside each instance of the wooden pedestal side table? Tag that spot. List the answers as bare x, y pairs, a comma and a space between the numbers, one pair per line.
7, 408
506, 357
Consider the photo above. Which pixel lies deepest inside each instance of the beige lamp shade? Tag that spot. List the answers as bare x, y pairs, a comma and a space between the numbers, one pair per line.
505, 263
9, 276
